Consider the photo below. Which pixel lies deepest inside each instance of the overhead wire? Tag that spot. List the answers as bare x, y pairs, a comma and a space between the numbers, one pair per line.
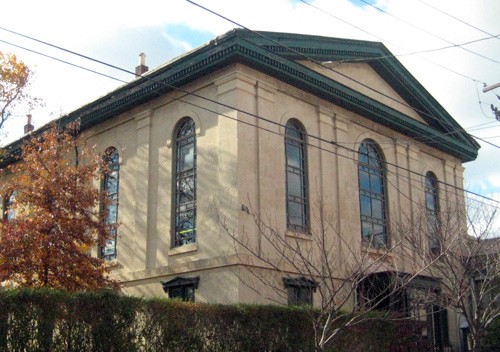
458, 19
188, 93
62, 61
388, 42
409, 53
427, 32
457, 127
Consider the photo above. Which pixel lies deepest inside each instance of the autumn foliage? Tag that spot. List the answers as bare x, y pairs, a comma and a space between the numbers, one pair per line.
53, 221
14, 83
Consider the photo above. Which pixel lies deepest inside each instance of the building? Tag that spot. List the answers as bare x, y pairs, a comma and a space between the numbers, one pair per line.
270, 124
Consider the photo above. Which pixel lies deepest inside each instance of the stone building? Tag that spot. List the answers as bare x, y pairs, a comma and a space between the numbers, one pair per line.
270, 124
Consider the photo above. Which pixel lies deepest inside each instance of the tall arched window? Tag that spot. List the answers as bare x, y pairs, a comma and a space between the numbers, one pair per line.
372, 195
432, 210
110, 188
185, 183
297, 213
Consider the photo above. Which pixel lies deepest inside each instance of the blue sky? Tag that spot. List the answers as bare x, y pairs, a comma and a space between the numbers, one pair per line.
117, 31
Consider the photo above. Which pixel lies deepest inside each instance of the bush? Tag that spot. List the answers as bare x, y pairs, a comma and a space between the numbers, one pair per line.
47, 320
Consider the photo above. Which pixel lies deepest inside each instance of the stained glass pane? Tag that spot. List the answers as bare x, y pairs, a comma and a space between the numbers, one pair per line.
366, 229
366, 208
364, 180
294, 184
377, 211
295, 214
376, 183
185, 193
294, 156
186, 157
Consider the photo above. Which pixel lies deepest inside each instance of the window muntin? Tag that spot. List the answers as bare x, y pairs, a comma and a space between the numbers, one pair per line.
372, 195
296, 177
185, 184
432, 212
110, 188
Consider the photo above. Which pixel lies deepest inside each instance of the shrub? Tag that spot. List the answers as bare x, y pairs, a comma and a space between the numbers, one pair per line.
48, 320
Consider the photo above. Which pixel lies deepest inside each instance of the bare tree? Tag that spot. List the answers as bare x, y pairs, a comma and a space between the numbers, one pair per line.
350, 278
466, 257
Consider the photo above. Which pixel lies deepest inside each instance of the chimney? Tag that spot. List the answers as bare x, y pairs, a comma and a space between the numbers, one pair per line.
28, 127
142, 68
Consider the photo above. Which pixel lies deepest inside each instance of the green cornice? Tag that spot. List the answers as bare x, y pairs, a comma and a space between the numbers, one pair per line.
248, 48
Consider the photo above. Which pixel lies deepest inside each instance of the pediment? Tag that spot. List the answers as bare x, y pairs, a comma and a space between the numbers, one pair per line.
361, 69
362, 77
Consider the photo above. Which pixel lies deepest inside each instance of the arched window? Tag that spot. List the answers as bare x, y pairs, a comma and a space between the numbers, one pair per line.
432, 210
372, 195
297, 213
185, 183
110, 189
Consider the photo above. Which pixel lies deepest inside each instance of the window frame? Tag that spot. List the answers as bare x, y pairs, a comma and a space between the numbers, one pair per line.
432, 208
371, 164
300, 291
111, 158
184, 136
186, 285
295, 137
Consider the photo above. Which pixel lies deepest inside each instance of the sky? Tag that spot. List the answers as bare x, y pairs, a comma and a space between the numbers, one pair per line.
451, 47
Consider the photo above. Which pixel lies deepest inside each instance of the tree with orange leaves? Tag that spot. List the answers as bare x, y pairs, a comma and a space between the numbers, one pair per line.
14, 83
54, 220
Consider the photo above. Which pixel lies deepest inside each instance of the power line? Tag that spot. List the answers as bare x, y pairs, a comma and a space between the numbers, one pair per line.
329, 142
62, 61
457, 128
389, 42
315, 61
458, 19
427, 32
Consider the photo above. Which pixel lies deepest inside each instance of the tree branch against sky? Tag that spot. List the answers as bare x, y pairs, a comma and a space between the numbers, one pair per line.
15, 79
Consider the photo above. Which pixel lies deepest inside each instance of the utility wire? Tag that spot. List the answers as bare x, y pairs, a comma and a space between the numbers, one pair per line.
62, 61
458, 19
418, 52
458, 128
309, 136
388, 42
257, 33
427, 32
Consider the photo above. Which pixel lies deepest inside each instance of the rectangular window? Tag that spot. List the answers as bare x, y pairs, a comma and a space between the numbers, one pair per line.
181, 288
300, 290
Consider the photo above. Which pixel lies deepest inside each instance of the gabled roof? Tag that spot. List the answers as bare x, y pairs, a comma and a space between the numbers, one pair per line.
276, 54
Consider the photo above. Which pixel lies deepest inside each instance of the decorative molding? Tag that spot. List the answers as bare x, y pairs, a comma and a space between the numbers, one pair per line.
247, 48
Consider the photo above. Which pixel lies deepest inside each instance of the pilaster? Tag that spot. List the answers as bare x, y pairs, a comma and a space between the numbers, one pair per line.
142, 237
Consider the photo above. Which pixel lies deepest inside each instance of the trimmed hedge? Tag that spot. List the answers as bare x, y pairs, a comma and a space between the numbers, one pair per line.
47, 320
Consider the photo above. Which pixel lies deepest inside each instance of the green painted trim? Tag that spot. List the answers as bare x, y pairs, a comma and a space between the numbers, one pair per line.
235, 47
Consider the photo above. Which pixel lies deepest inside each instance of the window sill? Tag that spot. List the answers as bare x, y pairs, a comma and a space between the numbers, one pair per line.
299, 235
113, 265
376, 253
187, 248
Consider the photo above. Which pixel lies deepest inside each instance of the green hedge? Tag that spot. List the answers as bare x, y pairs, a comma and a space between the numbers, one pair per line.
46, 320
